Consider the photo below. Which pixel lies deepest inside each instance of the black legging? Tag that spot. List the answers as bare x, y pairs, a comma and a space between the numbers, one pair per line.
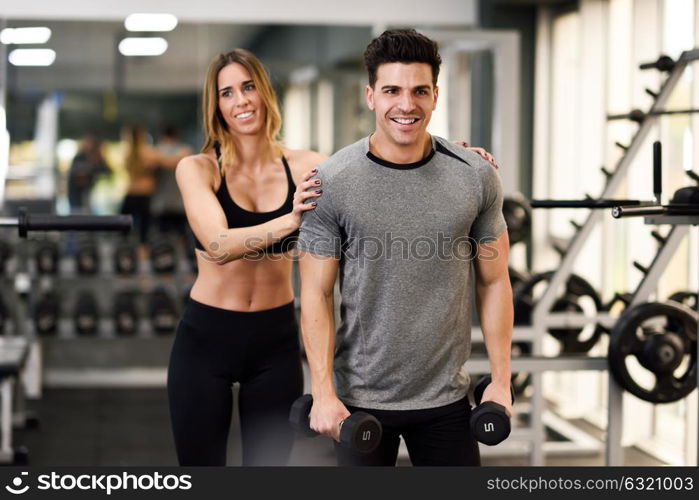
138, 206
212, 349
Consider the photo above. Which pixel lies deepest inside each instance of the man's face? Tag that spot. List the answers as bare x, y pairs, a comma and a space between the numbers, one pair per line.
403, 99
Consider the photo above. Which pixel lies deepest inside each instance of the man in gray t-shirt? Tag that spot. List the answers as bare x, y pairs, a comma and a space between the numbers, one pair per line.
404, 215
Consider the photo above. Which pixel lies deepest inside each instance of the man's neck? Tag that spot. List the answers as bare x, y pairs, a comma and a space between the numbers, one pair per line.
394, 153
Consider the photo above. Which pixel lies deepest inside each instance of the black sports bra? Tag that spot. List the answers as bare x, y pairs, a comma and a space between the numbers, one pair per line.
237, 216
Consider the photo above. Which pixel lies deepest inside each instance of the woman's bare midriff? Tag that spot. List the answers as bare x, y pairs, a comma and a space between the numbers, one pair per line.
244, 285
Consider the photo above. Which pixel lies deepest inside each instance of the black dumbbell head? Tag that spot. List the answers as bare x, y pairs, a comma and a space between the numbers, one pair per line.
125, 259
87, 258
125, 313
163, 315
490, 423
163, 256
46, 258
46, 313
86, 313
299, 415
361, 432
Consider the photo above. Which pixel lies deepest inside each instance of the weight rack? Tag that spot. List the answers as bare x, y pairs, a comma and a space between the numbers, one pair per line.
543, 319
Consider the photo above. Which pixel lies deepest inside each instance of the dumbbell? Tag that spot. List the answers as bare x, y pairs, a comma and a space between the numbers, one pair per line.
86, 313
360, 431
87, 258
489, 421
125, 259
46, 257
163, 257
125, 313
162, 312
46, 312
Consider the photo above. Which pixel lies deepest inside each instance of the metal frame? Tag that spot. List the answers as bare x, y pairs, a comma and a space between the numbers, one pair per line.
13, 355
542, 318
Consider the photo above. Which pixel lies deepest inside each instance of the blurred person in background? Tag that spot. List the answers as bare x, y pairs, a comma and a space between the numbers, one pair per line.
166, 203
142, 161
87, 166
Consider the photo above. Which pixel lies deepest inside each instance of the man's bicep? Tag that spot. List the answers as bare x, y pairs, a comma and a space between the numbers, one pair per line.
320, 231
318, 272
490, 220
492, 259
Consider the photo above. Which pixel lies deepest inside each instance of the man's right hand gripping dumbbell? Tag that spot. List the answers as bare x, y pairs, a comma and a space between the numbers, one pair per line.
359, 431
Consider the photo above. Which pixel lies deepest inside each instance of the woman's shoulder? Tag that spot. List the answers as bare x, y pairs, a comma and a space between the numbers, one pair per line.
199, 162
201, 165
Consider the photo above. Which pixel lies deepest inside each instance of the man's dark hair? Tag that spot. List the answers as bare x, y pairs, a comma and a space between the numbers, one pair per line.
404, 46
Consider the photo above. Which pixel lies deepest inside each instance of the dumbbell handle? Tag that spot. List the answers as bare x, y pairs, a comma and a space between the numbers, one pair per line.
45, 222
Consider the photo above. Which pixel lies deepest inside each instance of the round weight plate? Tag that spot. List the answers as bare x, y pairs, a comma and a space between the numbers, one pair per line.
639, 355
578, 296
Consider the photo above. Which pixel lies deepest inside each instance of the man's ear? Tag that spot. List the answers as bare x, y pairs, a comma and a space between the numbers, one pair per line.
436, 95
369, 95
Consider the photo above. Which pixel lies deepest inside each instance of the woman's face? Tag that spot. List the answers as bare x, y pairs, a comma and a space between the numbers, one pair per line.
239, 102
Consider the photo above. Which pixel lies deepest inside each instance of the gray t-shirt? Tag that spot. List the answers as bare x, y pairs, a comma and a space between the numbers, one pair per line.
404, 234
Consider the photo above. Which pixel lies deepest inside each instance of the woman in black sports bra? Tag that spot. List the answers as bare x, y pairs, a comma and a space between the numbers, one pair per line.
244, 196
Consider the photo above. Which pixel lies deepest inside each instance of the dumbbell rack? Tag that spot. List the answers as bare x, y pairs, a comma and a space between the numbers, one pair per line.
98, 357
17, 346
543, 319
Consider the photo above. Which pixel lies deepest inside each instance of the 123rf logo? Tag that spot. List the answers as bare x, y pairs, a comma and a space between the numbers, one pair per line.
102, 482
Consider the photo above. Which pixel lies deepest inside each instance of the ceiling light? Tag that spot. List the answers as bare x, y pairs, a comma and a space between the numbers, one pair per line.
150, 22
16, 36
32, 57
142, 46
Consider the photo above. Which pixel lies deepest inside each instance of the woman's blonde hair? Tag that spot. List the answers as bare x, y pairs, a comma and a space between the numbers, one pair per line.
215, 128
136, 139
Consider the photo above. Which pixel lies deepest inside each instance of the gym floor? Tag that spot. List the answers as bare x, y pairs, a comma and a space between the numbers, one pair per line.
125, 427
